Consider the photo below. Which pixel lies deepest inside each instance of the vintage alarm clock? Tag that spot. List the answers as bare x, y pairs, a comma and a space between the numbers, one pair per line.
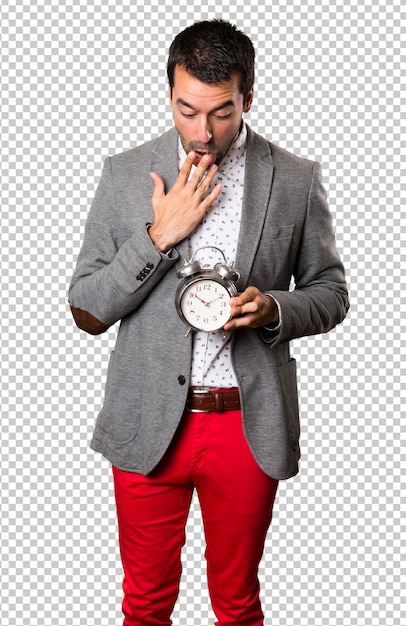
202, 296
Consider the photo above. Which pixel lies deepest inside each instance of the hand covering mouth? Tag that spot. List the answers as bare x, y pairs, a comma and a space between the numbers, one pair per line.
200, 154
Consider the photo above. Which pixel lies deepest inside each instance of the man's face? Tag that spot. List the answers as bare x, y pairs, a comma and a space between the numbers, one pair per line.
207, 117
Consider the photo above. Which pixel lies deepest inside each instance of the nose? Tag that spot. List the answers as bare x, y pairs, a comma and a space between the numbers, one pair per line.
204, 133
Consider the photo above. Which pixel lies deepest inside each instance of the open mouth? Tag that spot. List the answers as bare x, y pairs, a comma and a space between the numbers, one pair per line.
200, 155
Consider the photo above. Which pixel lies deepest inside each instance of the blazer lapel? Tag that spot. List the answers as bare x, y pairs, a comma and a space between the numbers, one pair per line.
257, 189
164, 157
164, 161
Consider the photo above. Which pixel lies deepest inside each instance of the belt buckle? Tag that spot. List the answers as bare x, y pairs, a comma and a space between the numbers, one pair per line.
202, 390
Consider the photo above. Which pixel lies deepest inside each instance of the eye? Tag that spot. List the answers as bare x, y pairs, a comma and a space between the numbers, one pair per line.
223, 117
188, 116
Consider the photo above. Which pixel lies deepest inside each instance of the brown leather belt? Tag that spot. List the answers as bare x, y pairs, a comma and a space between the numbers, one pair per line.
206, 400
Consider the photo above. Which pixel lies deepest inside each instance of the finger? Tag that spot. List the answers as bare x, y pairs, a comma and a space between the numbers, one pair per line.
246, 296
159, 186
184, 171
204, 185
204, 173
237, 322
242, 311
212, 196
209, 176
246, 303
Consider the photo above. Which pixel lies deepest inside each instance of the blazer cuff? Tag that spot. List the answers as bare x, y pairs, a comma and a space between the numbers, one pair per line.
276, 325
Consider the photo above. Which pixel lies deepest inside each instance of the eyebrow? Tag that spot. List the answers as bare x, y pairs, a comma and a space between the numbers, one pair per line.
224, 105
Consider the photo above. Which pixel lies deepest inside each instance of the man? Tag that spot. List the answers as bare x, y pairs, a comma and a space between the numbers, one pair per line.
212, 411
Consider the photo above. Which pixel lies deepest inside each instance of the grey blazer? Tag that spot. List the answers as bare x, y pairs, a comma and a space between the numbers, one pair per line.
286, 231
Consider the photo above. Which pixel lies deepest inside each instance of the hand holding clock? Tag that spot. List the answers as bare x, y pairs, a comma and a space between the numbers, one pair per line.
252, 308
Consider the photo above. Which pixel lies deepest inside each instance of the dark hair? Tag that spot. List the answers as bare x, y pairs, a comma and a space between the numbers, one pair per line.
212, 51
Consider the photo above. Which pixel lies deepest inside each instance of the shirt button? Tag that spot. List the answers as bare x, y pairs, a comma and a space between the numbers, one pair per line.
181, 380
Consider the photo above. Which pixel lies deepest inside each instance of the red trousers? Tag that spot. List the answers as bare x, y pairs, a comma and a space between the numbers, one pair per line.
209, 453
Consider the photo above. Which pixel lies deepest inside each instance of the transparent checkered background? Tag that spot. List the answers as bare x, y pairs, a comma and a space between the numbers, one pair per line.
86, 79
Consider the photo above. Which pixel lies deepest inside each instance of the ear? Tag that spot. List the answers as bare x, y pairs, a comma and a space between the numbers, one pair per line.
248, 102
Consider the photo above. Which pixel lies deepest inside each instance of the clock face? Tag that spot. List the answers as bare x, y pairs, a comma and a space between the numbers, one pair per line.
204, 304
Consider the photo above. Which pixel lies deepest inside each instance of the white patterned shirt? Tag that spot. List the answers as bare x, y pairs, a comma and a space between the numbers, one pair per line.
220, 227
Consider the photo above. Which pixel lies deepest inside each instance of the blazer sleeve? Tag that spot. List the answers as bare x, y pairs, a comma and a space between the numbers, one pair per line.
319, 300
112, 278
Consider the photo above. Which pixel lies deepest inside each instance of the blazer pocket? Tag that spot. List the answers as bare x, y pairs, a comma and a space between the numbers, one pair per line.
280, 232
288, 382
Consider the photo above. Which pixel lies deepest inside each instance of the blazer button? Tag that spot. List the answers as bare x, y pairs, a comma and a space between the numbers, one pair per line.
181, 380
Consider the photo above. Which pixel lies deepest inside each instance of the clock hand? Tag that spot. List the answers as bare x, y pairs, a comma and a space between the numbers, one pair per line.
218, 298
204, 302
